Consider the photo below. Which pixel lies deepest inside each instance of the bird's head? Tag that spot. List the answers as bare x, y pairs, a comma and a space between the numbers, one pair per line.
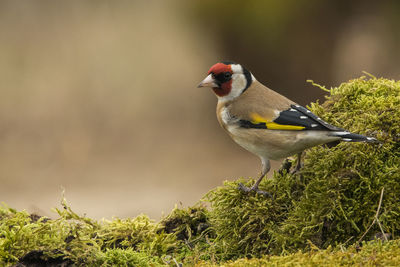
228, 80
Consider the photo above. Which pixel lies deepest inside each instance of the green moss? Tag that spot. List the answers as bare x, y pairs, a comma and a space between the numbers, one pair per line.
126, 257
342, 184
81, 240
187, 224
328, 205
370, 254
192, 228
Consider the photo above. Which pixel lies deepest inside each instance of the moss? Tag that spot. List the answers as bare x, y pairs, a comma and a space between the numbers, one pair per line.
126, 257
328, 205
81, 240
192, 228
342, 184
187, 224
371, 254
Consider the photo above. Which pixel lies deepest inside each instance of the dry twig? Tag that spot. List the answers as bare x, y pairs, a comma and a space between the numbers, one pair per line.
376, 219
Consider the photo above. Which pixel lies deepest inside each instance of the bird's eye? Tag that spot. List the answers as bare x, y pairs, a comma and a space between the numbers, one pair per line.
228, 75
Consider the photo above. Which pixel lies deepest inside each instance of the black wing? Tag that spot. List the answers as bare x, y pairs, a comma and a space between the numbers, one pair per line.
300, 116
297, 117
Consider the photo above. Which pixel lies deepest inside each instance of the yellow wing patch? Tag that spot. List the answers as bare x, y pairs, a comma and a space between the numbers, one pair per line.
256, 119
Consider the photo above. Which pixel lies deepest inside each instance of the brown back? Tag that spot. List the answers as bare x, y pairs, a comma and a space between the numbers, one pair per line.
258, 99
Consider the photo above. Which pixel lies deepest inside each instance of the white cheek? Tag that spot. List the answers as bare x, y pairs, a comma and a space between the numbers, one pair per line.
238, 84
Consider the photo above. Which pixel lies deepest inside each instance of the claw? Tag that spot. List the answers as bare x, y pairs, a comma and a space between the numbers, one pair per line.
243, 188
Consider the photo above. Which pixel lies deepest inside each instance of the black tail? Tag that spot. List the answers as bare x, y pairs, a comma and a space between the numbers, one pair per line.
351, 137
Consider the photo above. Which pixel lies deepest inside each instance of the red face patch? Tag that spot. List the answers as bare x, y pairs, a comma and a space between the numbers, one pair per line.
220, 68
224, 82
224, 90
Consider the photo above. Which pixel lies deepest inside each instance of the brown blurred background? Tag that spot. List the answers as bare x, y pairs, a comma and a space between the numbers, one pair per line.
100, 97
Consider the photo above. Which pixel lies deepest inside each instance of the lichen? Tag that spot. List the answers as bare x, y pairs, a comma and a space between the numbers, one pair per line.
324, 214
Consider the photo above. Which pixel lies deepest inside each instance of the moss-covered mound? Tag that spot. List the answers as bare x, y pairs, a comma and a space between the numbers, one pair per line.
336, 194
333, 203
35, 240
374, 253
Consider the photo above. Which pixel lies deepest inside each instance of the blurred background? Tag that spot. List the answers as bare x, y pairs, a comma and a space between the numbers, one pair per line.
99, 97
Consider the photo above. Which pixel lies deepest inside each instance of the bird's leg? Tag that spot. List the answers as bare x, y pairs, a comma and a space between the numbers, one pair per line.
298, 164
266, 166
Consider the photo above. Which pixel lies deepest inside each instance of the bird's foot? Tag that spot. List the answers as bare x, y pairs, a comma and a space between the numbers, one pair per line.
246, 189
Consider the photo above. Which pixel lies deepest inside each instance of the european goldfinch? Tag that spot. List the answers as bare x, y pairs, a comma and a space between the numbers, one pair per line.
264, 122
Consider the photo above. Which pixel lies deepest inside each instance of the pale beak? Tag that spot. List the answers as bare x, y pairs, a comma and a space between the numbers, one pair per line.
208, 82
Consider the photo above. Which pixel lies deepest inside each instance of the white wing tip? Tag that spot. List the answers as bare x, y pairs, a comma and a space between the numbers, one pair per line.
347, 139
342, 133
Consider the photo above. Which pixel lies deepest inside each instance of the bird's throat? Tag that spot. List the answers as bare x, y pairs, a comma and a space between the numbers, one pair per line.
224, 89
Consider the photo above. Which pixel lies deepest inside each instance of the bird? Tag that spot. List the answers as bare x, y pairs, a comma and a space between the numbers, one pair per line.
265, 122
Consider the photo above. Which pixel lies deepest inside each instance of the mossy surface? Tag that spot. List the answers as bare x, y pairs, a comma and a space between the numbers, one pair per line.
75, 239
373, 253
317, 215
